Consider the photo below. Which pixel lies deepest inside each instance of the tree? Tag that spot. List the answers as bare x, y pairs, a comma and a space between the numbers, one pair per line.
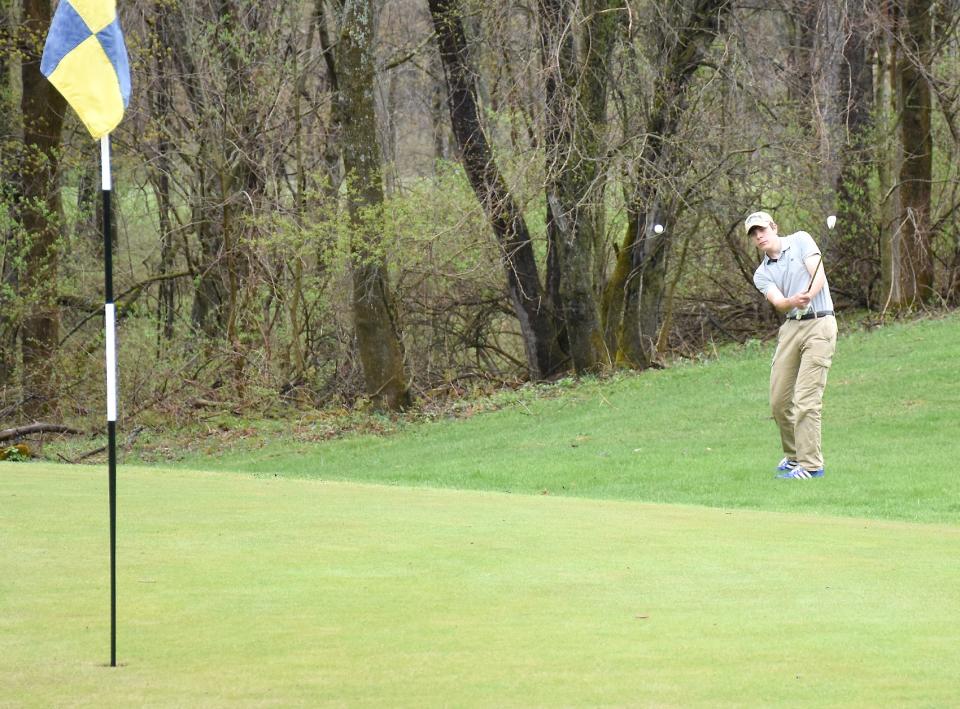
575, 76
40, 209
911, 256
523, 280
376, 327
161, 98
9, 187
854, 253
632, 300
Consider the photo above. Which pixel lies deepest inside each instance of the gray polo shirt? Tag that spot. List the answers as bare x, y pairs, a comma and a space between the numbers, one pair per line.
790, 274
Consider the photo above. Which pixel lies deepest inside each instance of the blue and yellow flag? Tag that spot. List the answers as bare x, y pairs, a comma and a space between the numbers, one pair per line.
86, 60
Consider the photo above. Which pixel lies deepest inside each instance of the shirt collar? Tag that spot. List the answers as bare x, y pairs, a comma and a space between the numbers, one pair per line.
785, 242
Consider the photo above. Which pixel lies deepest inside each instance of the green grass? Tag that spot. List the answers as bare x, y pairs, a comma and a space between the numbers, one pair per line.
655, 561
694, 434
238, 591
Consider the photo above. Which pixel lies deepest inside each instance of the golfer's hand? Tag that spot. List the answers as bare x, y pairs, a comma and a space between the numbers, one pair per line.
800, 301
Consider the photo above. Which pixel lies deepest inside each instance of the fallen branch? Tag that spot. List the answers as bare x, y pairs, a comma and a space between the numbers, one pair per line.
89, 454
19, 431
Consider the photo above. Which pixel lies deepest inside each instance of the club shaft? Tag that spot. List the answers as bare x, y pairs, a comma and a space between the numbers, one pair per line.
814, 276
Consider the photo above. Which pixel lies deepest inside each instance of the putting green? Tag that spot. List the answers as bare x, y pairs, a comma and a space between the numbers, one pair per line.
279, 592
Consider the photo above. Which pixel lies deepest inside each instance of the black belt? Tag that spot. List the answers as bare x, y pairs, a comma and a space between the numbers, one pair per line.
811, 316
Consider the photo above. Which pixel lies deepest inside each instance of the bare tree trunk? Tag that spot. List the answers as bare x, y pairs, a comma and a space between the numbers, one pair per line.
644, 288
378, 337
208, 204
40, 211
830, 39
888, 151
912, 277
9, 195
854, 250
294, 300
230, 172
210, 295
162, 104
575, 95
523, 280
604, 25
438, 114
801, 17
331, 154
559, 59
633, 298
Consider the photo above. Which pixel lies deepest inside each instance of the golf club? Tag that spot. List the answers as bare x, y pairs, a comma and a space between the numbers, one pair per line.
831, 222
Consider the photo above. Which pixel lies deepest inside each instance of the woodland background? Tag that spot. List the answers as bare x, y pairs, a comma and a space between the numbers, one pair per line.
379, 202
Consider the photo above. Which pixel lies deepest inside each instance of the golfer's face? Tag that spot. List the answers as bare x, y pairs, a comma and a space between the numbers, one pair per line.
763, 236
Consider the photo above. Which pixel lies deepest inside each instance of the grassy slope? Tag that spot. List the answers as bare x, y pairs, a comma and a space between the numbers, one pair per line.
693, 434
250, 592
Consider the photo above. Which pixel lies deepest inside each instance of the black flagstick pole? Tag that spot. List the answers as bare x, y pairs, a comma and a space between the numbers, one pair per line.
110, 330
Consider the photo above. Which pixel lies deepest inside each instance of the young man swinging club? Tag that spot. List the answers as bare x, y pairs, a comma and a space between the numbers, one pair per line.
792, 278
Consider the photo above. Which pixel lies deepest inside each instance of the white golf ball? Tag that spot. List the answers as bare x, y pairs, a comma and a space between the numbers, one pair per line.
658, 228
831, 221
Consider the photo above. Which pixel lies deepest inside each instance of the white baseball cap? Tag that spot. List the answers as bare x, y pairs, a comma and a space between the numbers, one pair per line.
757, 219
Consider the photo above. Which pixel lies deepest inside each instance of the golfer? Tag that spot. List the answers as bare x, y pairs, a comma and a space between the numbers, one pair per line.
792, 277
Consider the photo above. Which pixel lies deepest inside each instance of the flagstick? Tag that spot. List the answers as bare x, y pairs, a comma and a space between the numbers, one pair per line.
110, 329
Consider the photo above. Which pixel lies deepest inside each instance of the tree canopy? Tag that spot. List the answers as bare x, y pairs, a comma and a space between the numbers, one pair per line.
334, 201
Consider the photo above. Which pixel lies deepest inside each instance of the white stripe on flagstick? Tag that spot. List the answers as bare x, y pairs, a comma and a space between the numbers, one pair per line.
105, 163
110, 323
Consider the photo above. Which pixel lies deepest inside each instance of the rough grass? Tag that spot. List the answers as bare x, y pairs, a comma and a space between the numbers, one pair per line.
238, 591
694, 434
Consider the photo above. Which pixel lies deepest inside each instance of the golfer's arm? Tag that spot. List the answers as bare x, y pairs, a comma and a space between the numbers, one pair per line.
812, 262
779, 300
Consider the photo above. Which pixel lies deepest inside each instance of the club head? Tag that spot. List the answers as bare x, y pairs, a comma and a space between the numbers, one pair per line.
658, 228
831, 221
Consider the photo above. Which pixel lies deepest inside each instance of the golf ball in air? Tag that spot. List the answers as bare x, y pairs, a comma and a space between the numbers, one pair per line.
658, 228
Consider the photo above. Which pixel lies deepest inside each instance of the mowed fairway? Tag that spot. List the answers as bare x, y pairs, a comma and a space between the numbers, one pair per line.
244, 591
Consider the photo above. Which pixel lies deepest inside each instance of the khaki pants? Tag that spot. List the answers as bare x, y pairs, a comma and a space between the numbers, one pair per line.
798, 376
